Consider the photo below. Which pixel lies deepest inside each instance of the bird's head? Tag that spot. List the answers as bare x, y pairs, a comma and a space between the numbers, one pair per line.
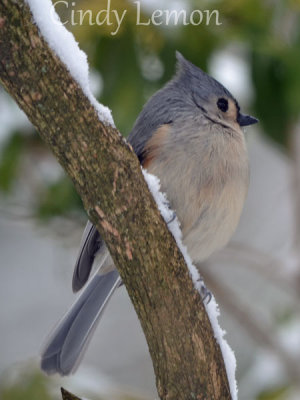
213, 100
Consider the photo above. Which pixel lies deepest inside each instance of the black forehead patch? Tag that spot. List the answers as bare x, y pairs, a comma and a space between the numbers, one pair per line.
237, 106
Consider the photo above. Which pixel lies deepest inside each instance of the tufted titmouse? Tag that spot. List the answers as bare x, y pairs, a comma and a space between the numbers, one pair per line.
188, 135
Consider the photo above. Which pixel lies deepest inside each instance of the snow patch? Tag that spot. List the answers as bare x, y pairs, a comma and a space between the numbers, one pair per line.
63, 43
212, 308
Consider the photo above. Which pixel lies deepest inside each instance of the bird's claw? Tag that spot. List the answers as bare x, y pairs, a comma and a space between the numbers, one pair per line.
205, 293
167, 204
172, 218
206, 297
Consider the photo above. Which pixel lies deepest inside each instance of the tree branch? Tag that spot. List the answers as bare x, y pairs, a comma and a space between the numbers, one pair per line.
187, 359
67, 395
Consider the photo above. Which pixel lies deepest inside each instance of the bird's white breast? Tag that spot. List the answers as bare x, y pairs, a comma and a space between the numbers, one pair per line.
206, 182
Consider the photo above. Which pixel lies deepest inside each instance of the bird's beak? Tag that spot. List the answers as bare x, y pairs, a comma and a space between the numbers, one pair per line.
245, 120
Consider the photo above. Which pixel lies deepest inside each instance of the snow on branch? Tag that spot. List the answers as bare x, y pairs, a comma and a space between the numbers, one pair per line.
63, 43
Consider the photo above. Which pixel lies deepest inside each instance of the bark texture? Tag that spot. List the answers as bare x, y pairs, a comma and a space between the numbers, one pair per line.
67, 395
106, 173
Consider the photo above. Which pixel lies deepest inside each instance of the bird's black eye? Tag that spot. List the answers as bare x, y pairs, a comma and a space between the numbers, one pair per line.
222, 104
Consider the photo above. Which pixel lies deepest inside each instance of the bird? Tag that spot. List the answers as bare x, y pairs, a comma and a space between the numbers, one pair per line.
190, 135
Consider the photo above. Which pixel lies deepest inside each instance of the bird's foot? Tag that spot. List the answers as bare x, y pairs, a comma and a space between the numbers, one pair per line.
167, 204
205, 293
172, 218
207, 296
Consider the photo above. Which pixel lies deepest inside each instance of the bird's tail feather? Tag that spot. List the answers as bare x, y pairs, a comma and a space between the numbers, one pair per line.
67, 343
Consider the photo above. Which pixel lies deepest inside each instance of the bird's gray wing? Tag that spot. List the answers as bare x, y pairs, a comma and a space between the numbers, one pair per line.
91, 244
153, 115
67, 344
170, 103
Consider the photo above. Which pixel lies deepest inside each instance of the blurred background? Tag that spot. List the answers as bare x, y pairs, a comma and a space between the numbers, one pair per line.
255, 53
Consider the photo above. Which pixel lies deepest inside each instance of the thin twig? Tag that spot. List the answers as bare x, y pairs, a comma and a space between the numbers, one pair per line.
244, 316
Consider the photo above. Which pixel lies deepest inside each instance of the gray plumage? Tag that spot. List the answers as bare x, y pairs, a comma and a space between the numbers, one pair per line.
189, 135
91, 243
176, 101
68, 341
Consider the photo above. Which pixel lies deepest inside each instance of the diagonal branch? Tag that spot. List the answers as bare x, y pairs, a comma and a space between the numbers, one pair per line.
186, 357
67, 395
